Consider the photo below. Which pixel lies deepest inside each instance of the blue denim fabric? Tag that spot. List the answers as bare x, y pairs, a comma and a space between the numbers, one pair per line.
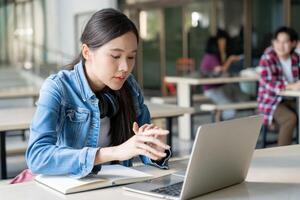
65, 129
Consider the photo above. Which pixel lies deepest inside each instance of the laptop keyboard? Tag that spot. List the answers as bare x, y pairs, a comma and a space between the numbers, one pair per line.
172, 190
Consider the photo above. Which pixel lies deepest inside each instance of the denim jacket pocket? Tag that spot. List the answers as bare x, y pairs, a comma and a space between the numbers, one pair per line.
77, 115
75, 120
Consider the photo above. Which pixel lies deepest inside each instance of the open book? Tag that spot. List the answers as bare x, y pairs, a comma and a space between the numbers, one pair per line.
108, 176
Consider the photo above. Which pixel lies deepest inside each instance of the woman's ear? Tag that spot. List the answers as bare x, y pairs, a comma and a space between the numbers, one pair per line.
85, 52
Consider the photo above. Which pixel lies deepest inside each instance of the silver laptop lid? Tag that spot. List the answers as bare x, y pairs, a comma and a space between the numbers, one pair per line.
221, 155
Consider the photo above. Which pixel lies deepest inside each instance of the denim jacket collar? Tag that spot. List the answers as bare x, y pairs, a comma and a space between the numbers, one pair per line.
85, 89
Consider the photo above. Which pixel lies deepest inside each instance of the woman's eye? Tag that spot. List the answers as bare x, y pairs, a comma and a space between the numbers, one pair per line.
130, 57
115, 57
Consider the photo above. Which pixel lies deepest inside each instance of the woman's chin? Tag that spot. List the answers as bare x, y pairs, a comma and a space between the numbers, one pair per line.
115, 86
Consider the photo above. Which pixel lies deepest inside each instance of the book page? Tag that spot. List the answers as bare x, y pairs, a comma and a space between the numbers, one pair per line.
109, 175
119, 174
64, 183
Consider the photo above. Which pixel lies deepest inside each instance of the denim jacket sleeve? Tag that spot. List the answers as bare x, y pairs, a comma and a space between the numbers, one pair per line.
143, 117
43, 155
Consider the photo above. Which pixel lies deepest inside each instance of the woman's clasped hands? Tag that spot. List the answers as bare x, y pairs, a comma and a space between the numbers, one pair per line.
149, 140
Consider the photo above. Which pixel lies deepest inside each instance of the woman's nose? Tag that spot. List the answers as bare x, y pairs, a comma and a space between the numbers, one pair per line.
124, 66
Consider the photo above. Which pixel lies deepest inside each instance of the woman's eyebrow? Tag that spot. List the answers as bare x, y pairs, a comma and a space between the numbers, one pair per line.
122, 50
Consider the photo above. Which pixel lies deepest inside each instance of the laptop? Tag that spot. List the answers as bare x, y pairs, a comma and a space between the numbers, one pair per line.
220, 157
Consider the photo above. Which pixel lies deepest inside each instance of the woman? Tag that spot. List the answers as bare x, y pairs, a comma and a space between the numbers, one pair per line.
94, 113
214, 63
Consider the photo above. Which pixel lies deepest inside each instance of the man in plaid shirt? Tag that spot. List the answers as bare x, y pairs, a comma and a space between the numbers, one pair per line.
279, 70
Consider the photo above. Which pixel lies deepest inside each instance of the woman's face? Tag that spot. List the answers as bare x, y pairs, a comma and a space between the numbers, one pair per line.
282, 45
222, 44
111, 64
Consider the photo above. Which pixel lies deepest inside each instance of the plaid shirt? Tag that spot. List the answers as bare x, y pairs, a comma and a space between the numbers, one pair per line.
273, 81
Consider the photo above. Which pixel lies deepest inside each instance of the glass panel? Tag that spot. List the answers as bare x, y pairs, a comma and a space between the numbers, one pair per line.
10, 33
149, 32
137, 1
2, 33
28, 35
173, 31
19, 32
197, 24
267, 16
230, 19
23, 32
295, 15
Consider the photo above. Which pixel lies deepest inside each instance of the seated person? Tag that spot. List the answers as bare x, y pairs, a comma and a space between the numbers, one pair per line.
212, 65
297, 49
94, 112
279, 70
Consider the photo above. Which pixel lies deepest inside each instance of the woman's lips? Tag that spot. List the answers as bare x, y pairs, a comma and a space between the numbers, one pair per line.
119, 78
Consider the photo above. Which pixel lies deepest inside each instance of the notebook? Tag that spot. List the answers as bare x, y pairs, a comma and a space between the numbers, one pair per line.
109, 175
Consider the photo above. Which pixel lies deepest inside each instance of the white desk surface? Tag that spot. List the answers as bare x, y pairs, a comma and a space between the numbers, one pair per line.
184, 95
273, 175
16, 118
16, 83
167, 110
290, 93
20, 118
203, 81
19, 92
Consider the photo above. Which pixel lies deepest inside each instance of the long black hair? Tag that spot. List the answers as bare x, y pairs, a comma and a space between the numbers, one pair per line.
212, 46
104, 26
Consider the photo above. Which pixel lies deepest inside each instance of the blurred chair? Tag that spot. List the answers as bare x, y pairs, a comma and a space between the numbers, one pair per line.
170, 89
266, 129
185, 66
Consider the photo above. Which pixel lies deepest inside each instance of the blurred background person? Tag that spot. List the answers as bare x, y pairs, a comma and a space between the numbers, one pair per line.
279, 70
216, 63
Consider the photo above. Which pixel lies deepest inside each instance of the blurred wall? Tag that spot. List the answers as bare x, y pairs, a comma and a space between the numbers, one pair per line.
61, 22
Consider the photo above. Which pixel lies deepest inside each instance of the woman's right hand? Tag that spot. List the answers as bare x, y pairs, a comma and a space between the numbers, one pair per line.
231, 59
234, 58
143, 144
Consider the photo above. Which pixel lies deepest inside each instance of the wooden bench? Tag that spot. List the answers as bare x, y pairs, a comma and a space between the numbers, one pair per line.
173, 99
214, 108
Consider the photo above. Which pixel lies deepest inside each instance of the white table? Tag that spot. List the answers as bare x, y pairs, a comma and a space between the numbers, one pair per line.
184, 95
17, 83
19, 92
168, 112
273, 175
296, 94
12, 119
20, 119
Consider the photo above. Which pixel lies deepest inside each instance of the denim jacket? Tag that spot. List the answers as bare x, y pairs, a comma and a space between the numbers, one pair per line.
65, 129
